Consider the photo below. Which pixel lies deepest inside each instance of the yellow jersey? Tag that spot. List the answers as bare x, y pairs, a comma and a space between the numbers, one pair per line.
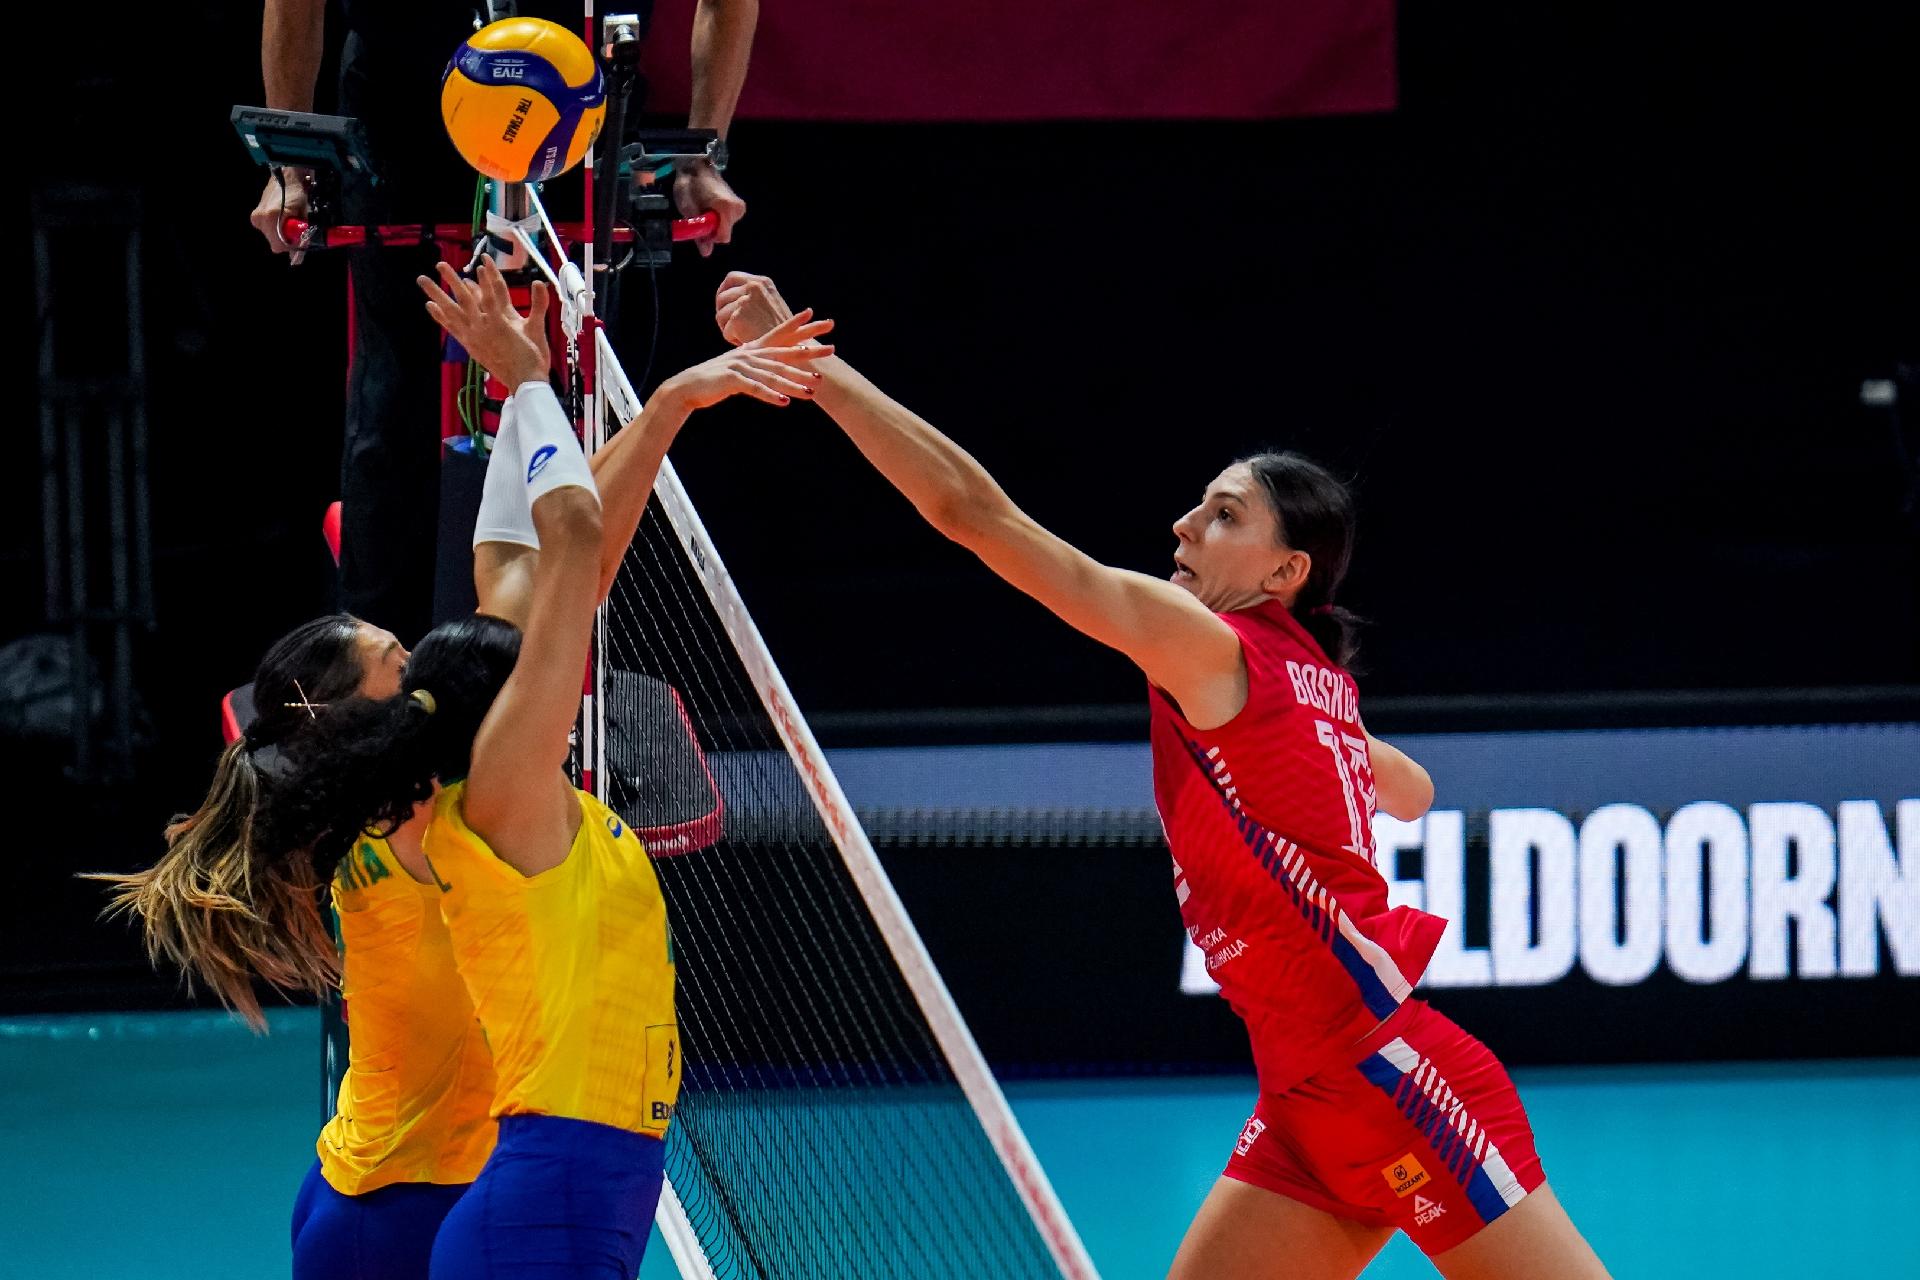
569, 970
414, 1103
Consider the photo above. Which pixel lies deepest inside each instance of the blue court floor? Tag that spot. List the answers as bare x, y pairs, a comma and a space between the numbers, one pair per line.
169, 1147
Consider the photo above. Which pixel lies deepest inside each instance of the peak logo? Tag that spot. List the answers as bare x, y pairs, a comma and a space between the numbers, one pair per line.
1426, 1212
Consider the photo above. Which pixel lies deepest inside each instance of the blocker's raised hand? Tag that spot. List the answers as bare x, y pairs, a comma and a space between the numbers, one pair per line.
480, 316
775, 367
747, 306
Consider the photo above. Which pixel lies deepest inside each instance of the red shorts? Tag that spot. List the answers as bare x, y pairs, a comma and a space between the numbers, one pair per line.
1423, 1132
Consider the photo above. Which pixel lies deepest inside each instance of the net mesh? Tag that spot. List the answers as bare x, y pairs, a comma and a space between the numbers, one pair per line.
820, 1131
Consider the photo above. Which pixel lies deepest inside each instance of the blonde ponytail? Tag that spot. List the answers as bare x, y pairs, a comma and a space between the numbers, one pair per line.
225, 911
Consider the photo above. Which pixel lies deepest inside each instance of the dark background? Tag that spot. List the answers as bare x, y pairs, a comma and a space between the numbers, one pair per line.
1585, 320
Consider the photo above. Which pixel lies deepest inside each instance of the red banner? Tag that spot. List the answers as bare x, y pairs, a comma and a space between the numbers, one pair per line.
1004, 60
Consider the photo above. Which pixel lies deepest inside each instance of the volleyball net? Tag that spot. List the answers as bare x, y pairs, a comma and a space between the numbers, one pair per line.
835, 1117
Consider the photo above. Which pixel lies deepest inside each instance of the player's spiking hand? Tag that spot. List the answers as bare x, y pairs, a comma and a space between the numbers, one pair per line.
773, 366
747, 306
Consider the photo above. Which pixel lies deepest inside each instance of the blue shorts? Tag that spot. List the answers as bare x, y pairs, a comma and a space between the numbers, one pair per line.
559, 1199
382, 1235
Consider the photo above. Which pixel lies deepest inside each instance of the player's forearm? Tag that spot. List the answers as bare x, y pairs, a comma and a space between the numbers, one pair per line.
943, 481
292, 40
625, 471
1401, 783
722, 42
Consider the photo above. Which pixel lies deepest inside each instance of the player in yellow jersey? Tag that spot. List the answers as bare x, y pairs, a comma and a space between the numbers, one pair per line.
558, 926
413, 1124
411, 1128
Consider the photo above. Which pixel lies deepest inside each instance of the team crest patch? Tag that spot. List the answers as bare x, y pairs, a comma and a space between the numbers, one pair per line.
1255, 1127
1404, 1174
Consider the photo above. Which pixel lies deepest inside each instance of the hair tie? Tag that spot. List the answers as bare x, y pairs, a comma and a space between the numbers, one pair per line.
424, 701
1320, 610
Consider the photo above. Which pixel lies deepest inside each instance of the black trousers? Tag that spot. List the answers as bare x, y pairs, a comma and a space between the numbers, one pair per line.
390, 485
390, 464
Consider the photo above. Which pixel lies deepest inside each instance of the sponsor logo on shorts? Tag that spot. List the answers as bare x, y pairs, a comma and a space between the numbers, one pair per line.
1426, 1212
1404, 1174
1255, 1127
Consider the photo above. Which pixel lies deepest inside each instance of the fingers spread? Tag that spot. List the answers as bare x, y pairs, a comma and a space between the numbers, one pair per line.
794, 357
759, 390
494, 286
788, 378
445, 312
784, 385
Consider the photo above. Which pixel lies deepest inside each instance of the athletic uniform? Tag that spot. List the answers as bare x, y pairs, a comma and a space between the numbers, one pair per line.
1372, 1106
411, 1128
572, 978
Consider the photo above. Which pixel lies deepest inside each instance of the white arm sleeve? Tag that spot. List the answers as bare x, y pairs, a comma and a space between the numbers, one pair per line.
552, 452
505, 513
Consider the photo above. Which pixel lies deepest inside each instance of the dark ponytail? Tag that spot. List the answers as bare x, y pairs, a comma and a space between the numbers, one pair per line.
1315, 515
362, 766
365, 764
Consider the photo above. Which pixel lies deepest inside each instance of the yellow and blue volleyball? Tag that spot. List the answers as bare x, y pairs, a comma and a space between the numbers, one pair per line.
523, 99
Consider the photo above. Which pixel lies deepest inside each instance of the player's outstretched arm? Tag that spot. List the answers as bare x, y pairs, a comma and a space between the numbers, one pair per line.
1180, 644
776, 367
517, 799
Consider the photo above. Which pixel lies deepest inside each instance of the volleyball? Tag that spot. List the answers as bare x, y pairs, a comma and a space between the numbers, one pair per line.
522, 99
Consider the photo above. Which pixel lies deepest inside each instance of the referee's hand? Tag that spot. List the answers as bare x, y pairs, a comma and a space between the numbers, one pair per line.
271, 209
701, 189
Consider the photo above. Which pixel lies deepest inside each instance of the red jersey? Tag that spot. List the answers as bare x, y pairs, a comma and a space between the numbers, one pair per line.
1270, 820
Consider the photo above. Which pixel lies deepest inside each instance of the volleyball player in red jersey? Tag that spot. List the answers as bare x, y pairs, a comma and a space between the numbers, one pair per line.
1375, 1112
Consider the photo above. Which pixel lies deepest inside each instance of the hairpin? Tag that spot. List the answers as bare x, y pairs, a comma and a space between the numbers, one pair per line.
306, 704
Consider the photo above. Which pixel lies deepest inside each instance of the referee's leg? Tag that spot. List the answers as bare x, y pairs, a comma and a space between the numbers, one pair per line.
390, 465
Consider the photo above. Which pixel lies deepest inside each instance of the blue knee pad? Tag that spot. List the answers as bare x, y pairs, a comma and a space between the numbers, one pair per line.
559, 1199
382, 1235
